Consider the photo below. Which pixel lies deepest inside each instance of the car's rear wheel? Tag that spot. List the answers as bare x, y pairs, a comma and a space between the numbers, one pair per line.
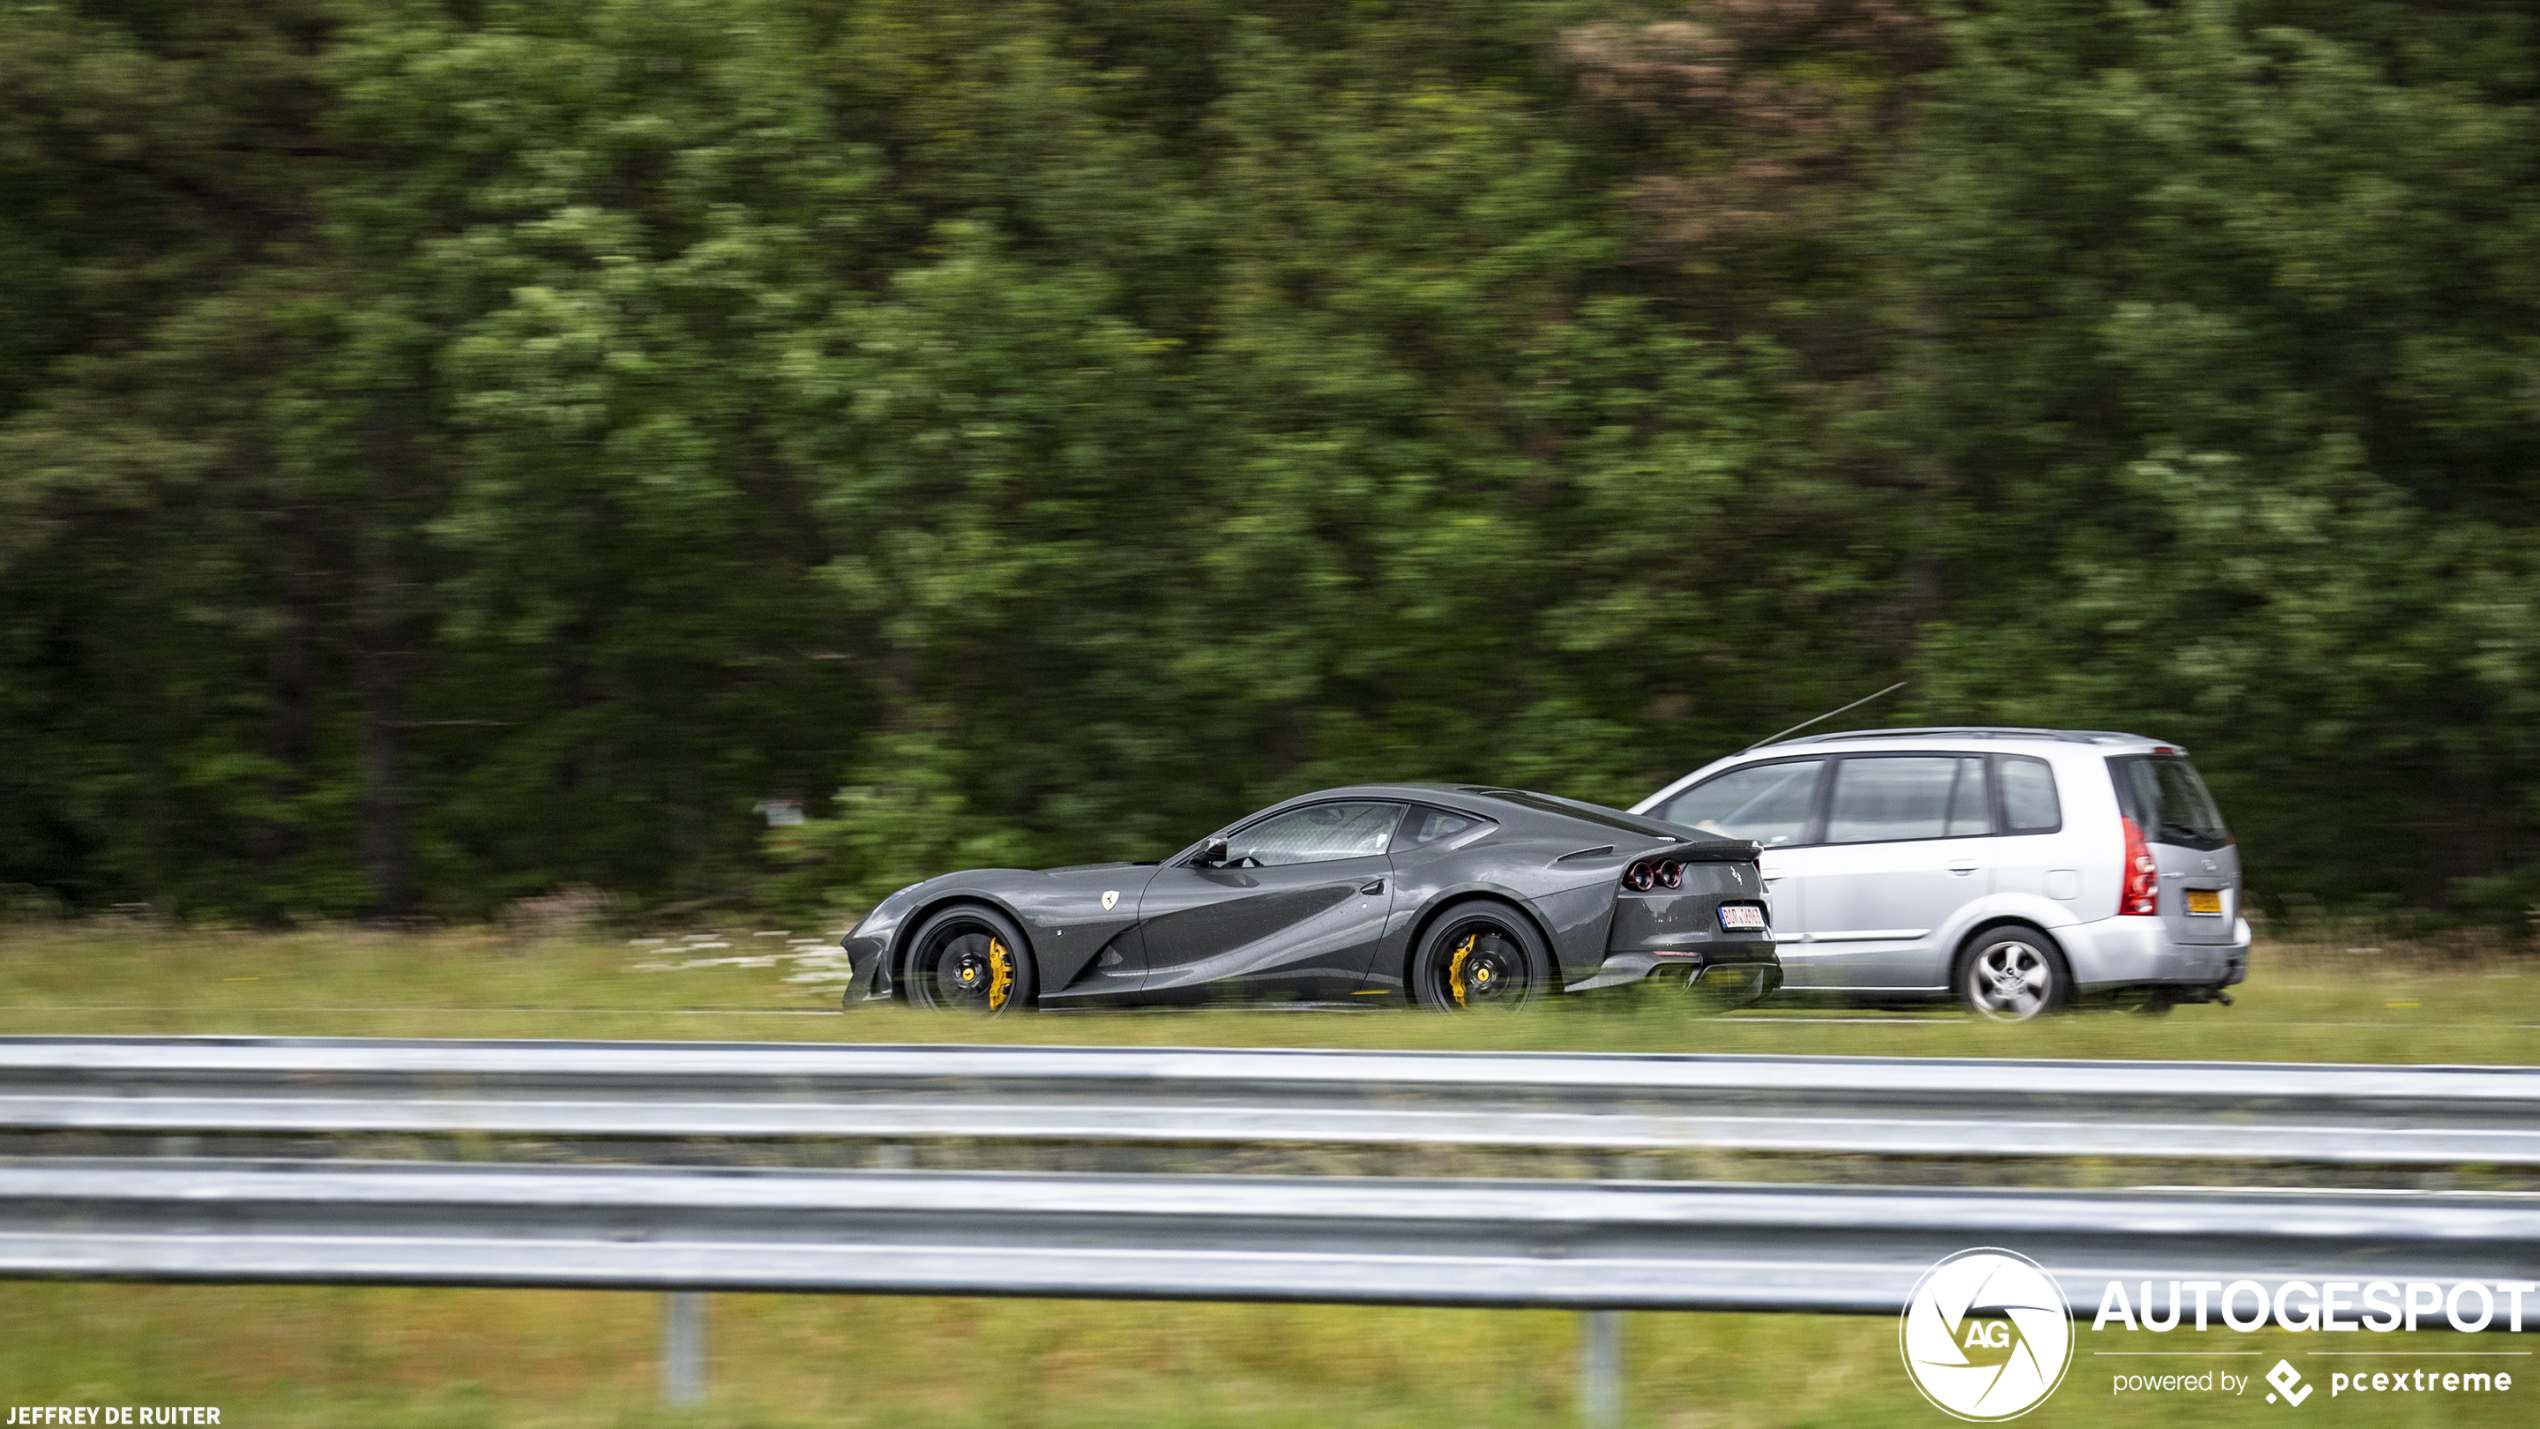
1480, 957
2013, 973
971, 959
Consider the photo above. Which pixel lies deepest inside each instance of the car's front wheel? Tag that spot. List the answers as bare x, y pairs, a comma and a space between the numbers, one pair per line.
1480, 957
2013, 973
971, 959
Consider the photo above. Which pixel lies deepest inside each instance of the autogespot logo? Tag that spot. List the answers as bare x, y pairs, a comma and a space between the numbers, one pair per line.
1986, 1335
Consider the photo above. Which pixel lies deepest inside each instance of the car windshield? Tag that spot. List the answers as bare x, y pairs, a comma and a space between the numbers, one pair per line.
2163, 796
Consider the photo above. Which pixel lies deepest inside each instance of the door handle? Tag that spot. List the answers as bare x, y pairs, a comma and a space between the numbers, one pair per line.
1373, 885
1962, 868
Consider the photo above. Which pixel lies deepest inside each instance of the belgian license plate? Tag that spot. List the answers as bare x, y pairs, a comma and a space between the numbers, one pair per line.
2205, 900
1741, 917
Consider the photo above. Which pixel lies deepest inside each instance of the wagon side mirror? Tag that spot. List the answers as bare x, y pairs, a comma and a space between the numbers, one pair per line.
1210, 855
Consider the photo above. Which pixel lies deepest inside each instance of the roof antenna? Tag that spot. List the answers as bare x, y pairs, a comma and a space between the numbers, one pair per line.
1821, 719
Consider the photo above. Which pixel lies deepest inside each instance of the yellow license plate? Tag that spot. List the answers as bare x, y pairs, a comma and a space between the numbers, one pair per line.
2205, 900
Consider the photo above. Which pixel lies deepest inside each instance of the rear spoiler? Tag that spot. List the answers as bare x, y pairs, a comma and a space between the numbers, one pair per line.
1717, 851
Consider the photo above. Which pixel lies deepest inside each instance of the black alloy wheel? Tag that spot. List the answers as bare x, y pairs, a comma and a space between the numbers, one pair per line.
971, 959
1480, 957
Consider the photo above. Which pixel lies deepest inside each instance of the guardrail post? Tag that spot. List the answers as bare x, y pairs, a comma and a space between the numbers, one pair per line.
1601, 1369
683, 1348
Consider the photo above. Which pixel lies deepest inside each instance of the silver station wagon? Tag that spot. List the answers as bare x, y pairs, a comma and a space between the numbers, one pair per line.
2019, 870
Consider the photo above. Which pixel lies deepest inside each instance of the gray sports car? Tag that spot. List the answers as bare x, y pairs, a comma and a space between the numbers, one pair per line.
1445, 896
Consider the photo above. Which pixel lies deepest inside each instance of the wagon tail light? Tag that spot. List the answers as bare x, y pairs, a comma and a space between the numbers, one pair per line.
2142, 882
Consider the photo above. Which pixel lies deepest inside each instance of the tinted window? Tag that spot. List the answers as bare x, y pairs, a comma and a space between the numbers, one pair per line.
1908, 797
1584, 812
1970, 812
2163, 796
1316, 833
2029, 805
1427, 826
1768, 803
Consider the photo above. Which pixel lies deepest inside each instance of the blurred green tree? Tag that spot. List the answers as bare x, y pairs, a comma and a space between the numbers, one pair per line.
449, 450
2232, 306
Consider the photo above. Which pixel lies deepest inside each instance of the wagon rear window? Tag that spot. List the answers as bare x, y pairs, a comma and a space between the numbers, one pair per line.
2166, 800
2029, 805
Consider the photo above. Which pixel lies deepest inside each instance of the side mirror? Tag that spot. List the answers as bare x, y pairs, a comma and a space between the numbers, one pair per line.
1211, 854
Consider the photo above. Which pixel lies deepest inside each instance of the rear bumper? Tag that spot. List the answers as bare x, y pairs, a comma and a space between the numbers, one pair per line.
1751, 957
2137, 952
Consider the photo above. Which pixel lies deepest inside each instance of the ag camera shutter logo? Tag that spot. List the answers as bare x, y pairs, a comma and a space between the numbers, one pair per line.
1986, 1335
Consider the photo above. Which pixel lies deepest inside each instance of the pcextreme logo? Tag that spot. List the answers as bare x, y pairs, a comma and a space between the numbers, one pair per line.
1986, 1335
2284, 1377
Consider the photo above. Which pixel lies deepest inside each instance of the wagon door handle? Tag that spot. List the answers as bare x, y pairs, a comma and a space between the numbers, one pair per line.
1373, 885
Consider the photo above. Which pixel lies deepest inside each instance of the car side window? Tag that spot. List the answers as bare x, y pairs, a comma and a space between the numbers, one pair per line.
1426, 826
2029, 805
1881, 799
1768, 803
1317, 833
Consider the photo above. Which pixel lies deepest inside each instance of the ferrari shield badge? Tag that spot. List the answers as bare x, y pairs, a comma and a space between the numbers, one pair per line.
1110, 896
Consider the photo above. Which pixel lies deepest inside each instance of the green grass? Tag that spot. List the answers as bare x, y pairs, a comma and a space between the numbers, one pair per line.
2300, 1004
297, 1356
282, 1358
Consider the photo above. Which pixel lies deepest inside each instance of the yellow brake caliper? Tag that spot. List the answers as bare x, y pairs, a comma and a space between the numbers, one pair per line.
1455, 969
1000, 974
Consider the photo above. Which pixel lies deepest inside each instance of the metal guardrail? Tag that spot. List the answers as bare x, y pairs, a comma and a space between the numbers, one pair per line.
1599, 1246
1574, 1244
2402, 1116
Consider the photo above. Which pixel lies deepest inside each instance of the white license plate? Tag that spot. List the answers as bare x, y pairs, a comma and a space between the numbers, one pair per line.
1741, 917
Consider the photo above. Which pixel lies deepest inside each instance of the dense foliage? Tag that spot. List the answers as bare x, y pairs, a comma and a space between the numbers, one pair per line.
449, 450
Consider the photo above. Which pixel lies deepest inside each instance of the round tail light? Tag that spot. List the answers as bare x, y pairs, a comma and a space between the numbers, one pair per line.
1671, 874
1640, 878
